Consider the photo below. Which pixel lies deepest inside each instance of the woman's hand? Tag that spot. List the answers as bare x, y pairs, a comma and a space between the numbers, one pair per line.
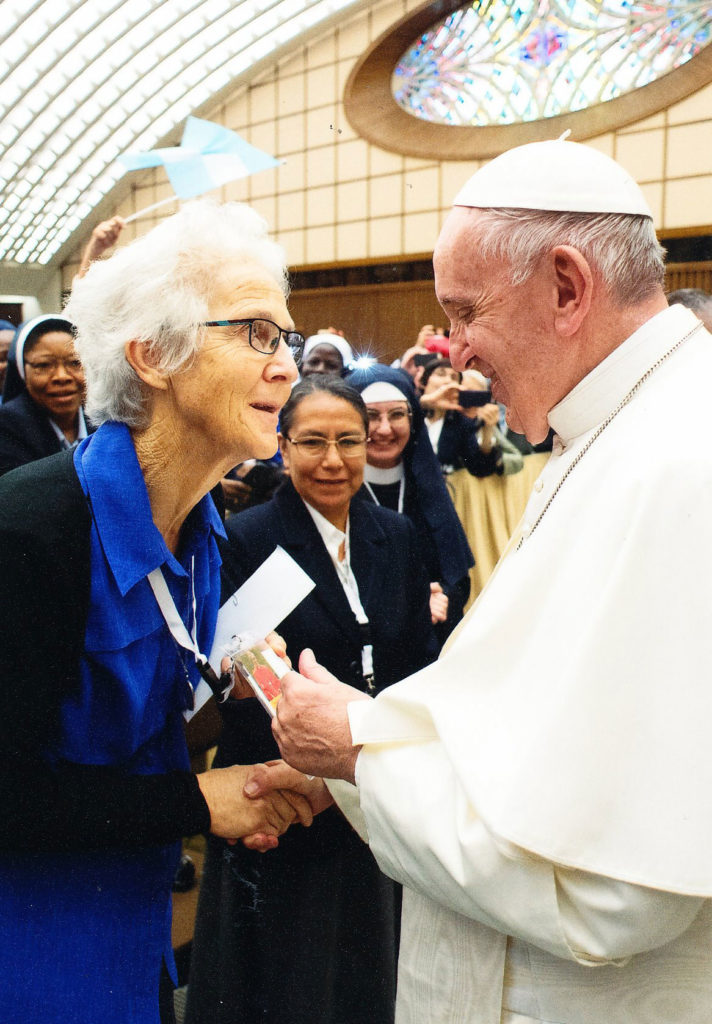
265, 778
439, 602
279, 646
489, 415
234, 815
241, 689
446, 397
406, 362
102, 238
425, 332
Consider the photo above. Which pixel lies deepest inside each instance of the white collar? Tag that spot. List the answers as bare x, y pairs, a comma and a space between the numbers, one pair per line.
332, 536
376, 475
435, 429
600, 391
81, 429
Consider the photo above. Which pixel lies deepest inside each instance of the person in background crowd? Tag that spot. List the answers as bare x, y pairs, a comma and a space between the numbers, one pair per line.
510, 439
7, 333
403, 473
42, 410
512, 457
328, 353
463, 437
103, 237
309, 932
110, 592
251, 483
699, 301
543, 790
431, 341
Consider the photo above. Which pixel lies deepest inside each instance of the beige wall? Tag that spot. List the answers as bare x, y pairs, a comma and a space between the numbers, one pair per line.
338, 198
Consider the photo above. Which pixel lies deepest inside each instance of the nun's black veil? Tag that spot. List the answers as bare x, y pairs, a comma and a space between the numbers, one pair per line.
425, 482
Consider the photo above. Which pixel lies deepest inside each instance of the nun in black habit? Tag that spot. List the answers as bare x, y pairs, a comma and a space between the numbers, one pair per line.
42, 407
309, 931
403, 473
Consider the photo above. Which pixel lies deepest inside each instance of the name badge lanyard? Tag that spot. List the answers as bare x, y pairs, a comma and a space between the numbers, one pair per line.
180, 634
350, 586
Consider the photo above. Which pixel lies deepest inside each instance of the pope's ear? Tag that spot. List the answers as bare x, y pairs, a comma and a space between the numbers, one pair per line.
573, 288
138, 356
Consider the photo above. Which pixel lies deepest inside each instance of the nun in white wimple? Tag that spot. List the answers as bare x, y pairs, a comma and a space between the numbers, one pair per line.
403, 473
42, 411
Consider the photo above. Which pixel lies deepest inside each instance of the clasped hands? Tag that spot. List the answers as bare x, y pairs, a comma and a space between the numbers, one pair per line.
258, 803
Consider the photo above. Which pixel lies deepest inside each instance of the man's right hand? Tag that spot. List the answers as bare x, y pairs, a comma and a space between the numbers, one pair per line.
233, 815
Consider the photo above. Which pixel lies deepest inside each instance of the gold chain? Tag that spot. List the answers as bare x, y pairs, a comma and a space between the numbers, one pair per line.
608, 420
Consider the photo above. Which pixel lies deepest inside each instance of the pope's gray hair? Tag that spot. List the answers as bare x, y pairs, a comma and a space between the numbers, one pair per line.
622, 248
158, 290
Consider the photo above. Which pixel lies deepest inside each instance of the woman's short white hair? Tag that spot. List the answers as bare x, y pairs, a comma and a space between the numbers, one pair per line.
158, 290
622, 248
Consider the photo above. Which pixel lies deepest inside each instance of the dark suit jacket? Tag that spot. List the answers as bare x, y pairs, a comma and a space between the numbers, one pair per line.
45, 579
25, 433
459, 448
393, 587
394, 592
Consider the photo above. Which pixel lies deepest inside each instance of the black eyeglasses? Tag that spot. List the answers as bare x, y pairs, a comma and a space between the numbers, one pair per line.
264, 335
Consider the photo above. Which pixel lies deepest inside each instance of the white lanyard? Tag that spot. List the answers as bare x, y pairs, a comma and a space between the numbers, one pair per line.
350, 587
178, 631
401, 493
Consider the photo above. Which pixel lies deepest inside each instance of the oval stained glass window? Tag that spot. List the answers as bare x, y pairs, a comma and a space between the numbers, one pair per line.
503, 62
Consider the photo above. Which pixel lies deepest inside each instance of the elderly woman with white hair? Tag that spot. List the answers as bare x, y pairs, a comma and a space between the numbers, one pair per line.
110, 568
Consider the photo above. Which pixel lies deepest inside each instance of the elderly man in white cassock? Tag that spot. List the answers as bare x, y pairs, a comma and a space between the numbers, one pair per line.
544, 790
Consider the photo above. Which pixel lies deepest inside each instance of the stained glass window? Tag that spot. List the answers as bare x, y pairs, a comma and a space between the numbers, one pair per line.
498, 62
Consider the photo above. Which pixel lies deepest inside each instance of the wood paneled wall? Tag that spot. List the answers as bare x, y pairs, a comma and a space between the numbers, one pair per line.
689, 275
383, 320
380, 320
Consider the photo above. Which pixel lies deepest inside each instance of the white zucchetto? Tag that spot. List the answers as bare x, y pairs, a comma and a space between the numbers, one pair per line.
555, 175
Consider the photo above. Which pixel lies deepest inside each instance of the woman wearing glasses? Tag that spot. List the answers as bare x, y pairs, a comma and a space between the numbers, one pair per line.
42, 410
110, 574
403, 473
309, 932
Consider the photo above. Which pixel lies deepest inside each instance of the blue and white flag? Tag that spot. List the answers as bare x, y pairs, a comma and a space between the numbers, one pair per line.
208, 156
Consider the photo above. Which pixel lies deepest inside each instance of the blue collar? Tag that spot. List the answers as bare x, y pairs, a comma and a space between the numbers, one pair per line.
110, 475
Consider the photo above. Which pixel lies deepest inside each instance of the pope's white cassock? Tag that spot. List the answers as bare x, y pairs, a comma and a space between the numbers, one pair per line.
544, 791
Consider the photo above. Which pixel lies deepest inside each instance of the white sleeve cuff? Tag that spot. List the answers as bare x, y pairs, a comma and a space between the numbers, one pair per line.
347, 798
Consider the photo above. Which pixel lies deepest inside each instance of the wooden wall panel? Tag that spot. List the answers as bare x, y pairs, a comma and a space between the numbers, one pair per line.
689, 275
381, 320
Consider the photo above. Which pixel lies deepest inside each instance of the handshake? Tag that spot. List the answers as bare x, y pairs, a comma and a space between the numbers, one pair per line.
257, 803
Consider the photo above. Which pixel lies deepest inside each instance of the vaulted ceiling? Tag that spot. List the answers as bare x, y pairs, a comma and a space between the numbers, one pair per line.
85, 80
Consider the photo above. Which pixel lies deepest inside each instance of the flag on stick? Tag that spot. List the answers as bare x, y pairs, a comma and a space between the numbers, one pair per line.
208, 156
